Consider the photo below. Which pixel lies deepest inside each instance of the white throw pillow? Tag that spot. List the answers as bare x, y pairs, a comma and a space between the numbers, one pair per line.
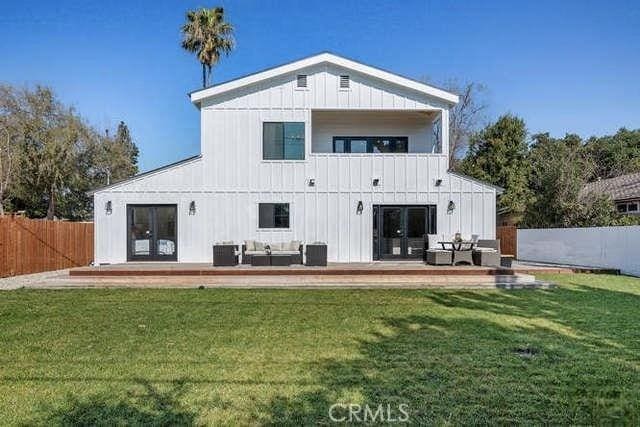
433, 241
250, 245
258, 246
276, 246
294, 245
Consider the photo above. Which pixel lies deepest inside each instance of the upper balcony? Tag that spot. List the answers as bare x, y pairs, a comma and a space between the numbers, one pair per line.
367, 133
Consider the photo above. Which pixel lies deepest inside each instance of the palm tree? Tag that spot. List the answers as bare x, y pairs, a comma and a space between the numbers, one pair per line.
207, 34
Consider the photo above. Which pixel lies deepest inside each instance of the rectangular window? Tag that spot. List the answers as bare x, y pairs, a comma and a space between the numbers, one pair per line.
302, 80
344, 82
370, 144
273, 215
283, 141
622, 207
632, 207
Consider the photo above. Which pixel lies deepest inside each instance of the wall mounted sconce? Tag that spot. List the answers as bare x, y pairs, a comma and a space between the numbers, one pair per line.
438, 182
108, 207
192, 208
376, 182
451, 206
312, 182
360, 208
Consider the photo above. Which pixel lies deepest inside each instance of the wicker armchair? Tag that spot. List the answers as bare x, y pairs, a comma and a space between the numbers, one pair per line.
487, 253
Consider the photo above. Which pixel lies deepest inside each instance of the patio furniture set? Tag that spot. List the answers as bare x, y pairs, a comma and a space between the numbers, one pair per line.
472, 251
275, 254
438, 252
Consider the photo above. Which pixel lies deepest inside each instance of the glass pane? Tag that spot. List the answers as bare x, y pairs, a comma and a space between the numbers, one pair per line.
382, 145
273, 141
338, 146
166, 230
265, 214
140, 231
392, 222
294, 141
622, 208
416, 220
402, 145
281, 219
632, 207
392, 232
358, 145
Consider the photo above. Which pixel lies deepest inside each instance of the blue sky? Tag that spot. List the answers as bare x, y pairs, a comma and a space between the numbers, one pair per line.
564, 66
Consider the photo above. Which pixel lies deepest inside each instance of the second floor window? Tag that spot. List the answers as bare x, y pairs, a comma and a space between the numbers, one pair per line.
283, 141
370, 144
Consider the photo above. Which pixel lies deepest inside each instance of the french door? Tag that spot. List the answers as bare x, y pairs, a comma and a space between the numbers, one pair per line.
152, 233
398, 231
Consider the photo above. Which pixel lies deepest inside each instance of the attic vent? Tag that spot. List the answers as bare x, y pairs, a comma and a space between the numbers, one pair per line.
344, 82
302, 80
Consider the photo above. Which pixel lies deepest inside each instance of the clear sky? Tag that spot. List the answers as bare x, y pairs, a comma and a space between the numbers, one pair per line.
564, 66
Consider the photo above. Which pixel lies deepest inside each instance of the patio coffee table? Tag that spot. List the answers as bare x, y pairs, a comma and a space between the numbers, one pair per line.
281, 260
260, 260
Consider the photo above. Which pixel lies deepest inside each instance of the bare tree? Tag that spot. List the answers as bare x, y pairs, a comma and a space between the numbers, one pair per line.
8, 146
465, 117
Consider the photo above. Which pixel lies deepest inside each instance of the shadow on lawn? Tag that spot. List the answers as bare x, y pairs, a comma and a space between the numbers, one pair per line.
568, 356
144, 405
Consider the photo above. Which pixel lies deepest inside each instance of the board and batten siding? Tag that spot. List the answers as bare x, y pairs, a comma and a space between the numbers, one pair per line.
231, 178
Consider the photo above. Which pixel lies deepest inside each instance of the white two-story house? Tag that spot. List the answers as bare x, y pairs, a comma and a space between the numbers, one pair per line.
321, 149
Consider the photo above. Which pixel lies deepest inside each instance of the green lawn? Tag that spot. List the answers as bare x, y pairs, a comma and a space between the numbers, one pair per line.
276, 356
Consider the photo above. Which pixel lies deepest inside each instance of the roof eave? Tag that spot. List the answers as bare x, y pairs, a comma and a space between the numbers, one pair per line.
143, 174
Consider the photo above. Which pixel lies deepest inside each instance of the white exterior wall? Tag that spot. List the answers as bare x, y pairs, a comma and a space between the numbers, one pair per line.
607, 247
231, 178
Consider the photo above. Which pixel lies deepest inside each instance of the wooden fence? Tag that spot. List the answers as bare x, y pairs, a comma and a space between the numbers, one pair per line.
508, 235
33, 246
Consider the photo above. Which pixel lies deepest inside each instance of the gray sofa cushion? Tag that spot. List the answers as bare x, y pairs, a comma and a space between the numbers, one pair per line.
254, 252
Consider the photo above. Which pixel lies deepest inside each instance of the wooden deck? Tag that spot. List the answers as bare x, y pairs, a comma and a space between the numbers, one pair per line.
333, 269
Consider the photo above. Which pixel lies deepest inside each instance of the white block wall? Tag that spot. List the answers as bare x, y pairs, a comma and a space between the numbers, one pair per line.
608, 247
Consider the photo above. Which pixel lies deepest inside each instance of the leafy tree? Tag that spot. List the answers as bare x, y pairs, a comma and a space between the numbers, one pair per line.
559, 171
54, 136
56, 157
209, 36
114, 158
498, 154
615, 155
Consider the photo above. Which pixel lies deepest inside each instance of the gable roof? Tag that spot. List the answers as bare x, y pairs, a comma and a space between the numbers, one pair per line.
622, 187
325, 57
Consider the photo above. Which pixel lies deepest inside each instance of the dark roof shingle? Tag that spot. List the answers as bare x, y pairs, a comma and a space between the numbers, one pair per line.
619, 188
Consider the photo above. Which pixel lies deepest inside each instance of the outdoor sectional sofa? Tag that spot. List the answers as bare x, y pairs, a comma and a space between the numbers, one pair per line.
252, 247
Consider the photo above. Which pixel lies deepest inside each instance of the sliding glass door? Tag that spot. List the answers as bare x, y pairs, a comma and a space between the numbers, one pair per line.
152, 233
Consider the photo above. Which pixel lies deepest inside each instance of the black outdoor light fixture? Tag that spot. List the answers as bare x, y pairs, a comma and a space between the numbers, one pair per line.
451, 206
360, 208
312, 182
438, 182
376, 182
192, 207
108, 207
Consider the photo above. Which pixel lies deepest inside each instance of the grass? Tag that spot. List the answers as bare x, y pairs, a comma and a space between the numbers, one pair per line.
165, 357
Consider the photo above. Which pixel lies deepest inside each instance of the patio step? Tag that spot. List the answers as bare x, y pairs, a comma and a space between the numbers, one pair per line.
518, 281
